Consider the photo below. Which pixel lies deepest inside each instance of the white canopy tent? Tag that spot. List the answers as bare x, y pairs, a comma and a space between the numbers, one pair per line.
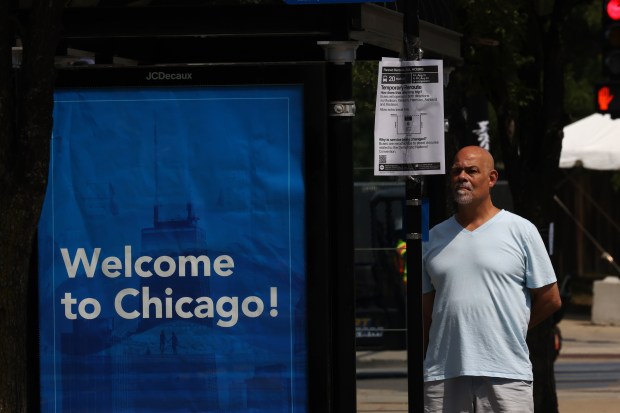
592, 142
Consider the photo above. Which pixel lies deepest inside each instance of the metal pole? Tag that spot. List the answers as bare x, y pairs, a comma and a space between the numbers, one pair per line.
414, 189
341, 109
415, 327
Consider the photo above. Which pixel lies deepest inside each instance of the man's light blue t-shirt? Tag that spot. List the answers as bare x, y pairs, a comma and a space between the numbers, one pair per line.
482, 302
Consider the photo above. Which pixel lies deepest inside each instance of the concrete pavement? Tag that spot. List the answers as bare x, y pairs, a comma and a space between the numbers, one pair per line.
598, 348
587, 372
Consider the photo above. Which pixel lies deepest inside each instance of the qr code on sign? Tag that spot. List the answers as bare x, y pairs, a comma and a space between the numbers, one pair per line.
382, 158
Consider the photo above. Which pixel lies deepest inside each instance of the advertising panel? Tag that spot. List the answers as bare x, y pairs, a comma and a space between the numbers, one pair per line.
172, 258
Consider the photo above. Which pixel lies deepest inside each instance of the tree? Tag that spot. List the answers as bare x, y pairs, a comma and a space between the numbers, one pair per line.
364, 93
26, 101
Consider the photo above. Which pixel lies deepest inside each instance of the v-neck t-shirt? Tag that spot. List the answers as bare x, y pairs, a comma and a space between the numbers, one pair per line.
482, 302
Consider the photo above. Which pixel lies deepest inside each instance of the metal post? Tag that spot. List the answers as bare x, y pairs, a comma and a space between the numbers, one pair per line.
415, 352
414, 191
341, 109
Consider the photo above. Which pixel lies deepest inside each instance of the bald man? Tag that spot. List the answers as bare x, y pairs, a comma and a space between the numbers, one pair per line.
487, 277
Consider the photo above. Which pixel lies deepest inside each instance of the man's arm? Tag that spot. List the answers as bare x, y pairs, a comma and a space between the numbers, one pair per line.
428, 300
545, 301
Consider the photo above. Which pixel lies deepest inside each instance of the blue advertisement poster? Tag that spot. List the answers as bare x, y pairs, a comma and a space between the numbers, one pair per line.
172, 266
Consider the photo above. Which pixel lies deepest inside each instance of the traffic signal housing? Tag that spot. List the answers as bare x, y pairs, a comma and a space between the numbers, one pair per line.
607, 98
611, 39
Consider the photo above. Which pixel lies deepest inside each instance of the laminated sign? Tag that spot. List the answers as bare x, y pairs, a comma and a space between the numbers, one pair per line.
172, 252
409, 118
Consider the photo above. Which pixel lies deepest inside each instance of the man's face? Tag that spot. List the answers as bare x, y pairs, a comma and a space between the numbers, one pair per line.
471, 175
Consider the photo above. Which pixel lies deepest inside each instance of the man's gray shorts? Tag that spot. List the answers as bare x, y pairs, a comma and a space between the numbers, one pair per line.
478, 394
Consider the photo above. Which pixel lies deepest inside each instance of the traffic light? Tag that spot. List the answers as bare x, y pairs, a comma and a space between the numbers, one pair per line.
607, 92
607, 98
611, 39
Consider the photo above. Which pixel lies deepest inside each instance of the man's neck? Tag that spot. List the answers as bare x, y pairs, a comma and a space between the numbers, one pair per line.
473, 216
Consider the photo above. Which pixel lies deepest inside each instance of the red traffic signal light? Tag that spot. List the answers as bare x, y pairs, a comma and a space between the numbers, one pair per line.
607, 98
613, 9
611, 38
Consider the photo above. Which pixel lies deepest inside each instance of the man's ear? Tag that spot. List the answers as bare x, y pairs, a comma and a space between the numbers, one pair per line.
493, 177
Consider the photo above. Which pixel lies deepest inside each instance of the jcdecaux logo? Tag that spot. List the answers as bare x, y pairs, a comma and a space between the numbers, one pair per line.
168, 76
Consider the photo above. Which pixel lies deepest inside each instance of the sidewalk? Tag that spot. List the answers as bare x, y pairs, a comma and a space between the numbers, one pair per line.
583, 343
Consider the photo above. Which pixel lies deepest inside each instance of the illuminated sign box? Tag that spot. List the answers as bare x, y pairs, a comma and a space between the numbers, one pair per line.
172, 245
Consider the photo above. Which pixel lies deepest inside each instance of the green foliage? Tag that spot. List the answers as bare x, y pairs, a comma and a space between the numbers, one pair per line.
497, 47
494, 35
500, 52
615, 181
583, 60
579, 89
364, 94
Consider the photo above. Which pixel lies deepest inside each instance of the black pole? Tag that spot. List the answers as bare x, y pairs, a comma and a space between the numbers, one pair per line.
340, 172
414, 188
415, 327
